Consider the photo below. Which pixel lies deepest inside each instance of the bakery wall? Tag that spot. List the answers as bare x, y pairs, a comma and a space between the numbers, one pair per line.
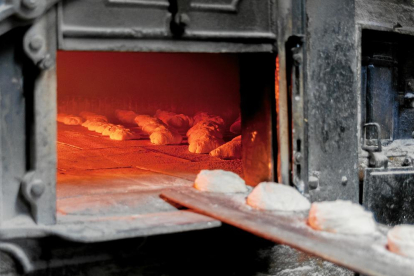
144, 82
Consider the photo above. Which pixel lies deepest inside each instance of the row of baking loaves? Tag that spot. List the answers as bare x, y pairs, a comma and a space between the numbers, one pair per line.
179, 122
204, 136
159, 132
99, 124
338, 216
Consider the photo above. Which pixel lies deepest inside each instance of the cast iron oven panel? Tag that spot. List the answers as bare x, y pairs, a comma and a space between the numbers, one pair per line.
388, 83
388, 193
81, 22
331, 116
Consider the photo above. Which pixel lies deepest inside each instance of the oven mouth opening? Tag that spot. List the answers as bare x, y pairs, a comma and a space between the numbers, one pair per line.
101, 175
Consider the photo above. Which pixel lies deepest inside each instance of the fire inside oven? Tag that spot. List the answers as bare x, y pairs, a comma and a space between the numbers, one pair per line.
130, 123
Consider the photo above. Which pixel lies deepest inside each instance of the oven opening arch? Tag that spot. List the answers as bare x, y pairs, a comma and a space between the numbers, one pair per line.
91, 165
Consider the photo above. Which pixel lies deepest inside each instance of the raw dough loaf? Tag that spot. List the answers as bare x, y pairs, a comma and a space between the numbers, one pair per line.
101, 127
401, 240
142, 120
205, 116
236, 126
204, 128
92, 117
179, 122
341, 217
92, 120
274, 196
205, 145
93, 126
69, 119
159, 133
230, 150
206, 134
151, 127
109, 129
220, 181
125, 116
164, 136
121, 134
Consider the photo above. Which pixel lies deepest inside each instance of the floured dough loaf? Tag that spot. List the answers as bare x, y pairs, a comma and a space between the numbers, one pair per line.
236, 126
73, 120
125, 116
69, 119
86, 123
163, 136
160, 133
341, 217
121, 134
401, 240
101, 127
230, 150
93, 126
220, 181
205, 145
92, 117
206, 133
92, 120
179, 122
142, 120
274, 196
205, 116
204, 128
109, 129
151, 127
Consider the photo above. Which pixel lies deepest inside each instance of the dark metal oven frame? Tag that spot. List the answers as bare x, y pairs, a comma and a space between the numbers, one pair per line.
31, 33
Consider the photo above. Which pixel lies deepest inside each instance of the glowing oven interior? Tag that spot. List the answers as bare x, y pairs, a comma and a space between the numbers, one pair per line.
97, 174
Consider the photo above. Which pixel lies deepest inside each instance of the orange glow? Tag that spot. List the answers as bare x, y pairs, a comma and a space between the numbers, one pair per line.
91, 164
279, 175
102, 82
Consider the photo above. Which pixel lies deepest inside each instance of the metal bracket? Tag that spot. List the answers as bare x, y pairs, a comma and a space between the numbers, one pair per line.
376, 159
313, 181
377, 148
299, 125
36, 47
30, 9
18, 254
15, 13
32, 189
179, 20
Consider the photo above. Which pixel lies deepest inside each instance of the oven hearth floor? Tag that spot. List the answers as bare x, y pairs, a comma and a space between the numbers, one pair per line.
102, 177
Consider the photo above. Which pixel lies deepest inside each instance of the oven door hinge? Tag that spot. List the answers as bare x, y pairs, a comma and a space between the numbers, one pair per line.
35, 45
32, 188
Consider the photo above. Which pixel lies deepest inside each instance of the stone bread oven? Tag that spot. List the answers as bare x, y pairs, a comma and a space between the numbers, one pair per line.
321, 93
